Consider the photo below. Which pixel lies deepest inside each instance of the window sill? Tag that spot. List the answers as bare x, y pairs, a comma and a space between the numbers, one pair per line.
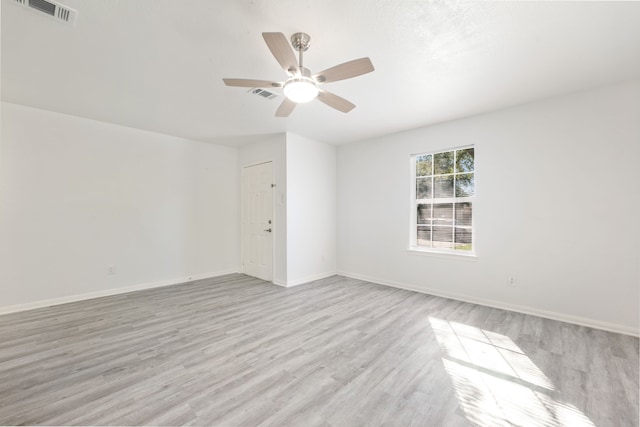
442, 254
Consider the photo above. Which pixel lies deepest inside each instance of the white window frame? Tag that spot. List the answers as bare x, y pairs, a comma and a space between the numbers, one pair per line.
413, 223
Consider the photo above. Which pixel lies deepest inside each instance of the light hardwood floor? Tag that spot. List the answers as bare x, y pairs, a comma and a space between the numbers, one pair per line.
235, 350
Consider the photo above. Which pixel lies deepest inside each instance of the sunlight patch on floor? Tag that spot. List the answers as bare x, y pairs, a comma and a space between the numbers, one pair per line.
497, 384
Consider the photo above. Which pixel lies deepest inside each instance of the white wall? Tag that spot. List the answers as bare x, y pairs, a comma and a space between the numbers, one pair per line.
557, 207
272, 149
311, 210
304, 205
78, 195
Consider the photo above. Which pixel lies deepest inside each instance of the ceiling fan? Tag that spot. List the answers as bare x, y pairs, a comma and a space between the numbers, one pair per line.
302, 86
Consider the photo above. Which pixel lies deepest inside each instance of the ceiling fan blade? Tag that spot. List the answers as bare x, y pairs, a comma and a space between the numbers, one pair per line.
346, 70
279, 47
334, 101
250, 83
285, 108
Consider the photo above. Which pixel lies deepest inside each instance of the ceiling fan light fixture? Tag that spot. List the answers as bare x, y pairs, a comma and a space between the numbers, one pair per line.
300, 89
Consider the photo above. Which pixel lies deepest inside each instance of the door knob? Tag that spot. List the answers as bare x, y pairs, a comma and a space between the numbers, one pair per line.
268, 229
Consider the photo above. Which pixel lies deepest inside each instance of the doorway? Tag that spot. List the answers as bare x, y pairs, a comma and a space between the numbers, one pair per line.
257, 221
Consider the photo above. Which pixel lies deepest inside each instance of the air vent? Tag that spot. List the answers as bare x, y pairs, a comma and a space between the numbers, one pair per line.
54, 10
263, 93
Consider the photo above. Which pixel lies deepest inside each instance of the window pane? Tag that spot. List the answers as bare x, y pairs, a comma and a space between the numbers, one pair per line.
423, 188
443, 237
443, 213
424, 214
443, 162
424, 236
443, 186
463, 239
464, 160
463, 214
424, 165
465, 185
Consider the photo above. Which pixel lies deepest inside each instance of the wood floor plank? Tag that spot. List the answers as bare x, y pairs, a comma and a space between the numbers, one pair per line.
237, 351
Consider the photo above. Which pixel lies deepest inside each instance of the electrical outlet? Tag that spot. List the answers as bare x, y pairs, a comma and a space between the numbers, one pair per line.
511, 281
111, 270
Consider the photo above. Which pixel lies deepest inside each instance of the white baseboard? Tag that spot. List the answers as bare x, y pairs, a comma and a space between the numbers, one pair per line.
308, 279
109, 292
292, 283
577, 320
583, 321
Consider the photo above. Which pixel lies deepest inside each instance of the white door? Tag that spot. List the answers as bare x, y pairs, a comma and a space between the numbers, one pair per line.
257, 221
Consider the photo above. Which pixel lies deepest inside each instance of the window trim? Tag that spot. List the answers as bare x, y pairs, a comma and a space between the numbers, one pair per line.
413, 247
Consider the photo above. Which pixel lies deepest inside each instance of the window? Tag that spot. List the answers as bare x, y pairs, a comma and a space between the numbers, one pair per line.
443, 188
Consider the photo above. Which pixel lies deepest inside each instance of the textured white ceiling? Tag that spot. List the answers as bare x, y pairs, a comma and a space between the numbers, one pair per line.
158, 64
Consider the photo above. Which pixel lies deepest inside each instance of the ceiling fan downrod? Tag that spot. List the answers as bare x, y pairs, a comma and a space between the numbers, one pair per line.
300, 42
